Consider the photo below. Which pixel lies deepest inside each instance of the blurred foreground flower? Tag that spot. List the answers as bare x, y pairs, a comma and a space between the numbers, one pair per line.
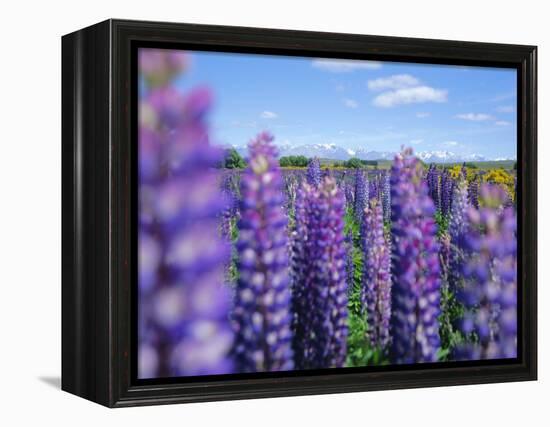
159, 67
183, 303
490, 291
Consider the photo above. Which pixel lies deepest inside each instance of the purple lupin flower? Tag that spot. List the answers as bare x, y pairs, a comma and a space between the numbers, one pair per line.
160, 67
231, 208
290, 186
509, 201
489, 294
458, 226
463, 172
319, 288
262, 301
230, 185
361, 196
386, 196
349, 193
473, 190
445, 256
415, 265
183, 304
447, 186
300, 259
226, 224
432, 179
373, 189
313, 173
376, 290
350, 266
515, 191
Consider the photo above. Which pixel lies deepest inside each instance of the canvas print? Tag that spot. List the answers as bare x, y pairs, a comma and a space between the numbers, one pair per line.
300, 213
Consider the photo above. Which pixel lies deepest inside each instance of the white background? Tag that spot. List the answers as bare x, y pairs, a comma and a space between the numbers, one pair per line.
30, 212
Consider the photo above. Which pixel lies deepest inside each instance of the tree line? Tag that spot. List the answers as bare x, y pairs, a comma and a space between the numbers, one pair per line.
233, 160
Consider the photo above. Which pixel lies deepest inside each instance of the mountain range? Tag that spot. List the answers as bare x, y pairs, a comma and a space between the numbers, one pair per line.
335, 152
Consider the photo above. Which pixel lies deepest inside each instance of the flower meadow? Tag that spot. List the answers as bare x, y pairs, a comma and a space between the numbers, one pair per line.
263, 268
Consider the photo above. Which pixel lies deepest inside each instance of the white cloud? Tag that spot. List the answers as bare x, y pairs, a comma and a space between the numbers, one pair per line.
351, 103
412, 95
416, 141
502, 123
423, 115
506, 109
450, 143
398, 81
268, 115
474, 117
344, 65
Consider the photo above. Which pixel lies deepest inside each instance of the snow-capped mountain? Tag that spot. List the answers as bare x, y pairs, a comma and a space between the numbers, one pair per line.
448, 157
335, 152
504, 159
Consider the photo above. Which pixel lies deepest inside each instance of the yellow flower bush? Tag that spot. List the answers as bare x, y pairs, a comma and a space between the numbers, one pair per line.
500, 176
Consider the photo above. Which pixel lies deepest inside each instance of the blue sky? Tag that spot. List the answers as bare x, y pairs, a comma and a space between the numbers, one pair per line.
359, 104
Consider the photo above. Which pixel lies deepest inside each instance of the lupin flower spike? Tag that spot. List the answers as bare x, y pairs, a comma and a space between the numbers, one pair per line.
320, 288
262, 301
415, 265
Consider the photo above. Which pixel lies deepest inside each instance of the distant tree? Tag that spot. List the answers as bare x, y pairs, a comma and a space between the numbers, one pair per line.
370, 162
354, 163
515, 166
470, 165
294, 161
284, 161
233, 160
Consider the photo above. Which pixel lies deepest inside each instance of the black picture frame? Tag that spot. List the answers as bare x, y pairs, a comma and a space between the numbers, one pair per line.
99, 209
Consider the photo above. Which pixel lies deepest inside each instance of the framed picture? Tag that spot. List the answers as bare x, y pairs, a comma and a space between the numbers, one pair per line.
257, 213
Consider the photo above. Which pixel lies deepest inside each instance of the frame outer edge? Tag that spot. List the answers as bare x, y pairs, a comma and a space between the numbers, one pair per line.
121, 392
85, 214
532, 207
